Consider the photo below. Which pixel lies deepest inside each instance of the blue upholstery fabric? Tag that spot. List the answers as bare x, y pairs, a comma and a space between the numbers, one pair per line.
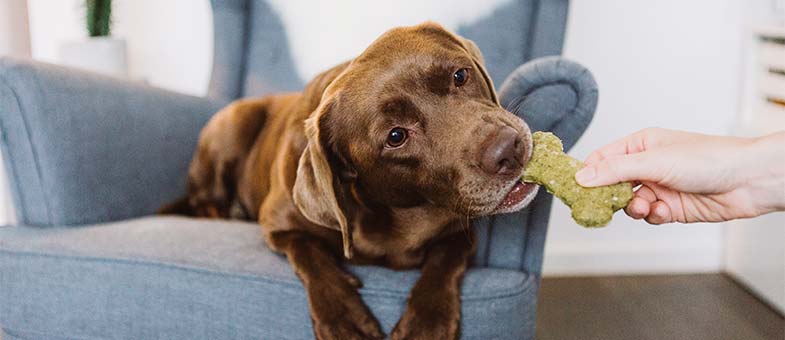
252, 55
518, 32
84, 149
230, 20
81, 148
179, 278
552, 94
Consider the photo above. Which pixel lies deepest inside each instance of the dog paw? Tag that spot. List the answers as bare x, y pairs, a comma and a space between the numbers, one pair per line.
428, 319
340, 314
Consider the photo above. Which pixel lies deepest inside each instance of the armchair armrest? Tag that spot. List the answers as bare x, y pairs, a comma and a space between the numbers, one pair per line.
550, 94
81, 148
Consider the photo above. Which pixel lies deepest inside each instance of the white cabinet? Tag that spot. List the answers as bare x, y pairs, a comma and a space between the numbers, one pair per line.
755, 248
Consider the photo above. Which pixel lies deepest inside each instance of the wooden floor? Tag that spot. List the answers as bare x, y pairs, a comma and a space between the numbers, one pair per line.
669, 307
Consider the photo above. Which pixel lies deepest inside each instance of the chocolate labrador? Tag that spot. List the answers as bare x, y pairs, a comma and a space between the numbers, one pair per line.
385, 158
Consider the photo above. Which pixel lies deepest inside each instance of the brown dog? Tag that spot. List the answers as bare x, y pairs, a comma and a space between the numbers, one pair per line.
385, 157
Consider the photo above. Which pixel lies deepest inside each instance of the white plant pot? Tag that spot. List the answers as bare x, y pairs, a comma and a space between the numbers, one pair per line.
104, 55
14, 28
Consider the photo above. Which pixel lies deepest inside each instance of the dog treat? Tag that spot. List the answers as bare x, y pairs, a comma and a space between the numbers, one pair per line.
555, 170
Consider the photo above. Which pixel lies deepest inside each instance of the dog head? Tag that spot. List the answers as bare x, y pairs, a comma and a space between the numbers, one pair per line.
414, 121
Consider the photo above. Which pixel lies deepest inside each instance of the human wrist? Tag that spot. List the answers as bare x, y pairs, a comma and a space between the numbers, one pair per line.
764, 172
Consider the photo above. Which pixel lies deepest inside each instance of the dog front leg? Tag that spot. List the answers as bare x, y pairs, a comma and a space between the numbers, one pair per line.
433, 310
337, 311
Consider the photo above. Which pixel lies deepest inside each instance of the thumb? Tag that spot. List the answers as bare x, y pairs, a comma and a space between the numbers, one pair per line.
623, 168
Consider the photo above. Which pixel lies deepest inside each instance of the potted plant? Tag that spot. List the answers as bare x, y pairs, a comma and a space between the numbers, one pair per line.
100, 52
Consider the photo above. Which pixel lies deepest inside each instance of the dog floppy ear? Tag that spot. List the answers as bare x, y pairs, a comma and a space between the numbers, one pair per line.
317, 191
479, 62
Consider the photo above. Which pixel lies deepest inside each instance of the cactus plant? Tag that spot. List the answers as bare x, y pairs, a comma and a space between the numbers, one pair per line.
98, 17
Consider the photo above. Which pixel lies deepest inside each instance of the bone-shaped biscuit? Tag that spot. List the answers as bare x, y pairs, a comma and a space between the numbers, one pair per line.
553, 169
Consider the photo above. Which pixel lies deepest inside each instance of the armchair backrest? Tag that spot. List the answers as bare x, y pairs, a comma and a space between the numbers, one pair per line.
253, 55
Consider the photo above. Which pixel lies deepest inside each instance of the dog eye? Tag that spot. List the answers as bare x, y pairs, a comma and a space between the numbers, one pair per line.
396, 137
460, 77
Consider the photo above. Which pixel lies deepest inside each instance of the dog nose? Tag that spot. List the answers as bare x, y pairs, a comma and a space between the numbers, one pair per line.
502, 155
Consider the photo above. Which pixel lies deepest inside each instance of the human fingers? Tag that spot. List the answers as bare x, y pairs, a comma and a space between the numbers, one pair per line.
660, 213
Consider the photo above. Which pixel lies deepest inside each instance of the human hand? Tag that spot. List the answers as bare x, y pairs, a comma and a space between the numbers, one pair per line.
689, 177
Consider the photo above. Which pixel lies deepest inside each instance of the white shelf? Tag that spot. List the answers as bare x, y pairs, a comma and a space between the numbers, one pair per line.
772, 55
764, 113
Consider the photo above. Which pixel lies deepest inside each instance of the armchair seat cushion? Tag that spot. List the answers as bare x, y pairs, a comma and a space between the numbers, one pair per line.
174, 277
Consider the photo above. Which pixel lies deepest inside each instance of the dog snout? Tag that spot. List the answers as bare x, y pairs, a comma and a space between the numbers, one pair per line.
503, 153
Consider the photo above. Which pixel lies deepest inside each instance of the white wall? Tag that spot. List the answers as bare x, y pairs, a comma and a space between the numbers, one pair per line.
169, 42
668, 63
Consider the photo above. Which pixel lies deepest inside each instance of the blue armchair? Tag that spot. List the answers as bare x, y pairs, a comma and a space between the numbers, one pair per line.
90, 158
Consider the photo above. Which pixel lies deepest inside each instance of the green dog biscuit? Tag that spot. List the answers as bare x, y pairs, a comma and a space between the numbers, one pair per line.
553, 169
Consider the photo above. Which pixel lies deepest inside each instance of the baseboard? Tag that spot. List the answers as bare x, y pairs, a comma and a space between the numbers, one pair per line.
752, 290
611, 259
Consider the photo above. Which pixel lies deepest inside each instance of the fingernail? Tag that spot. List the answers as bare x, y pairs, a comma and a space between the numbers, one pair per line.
585, 175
